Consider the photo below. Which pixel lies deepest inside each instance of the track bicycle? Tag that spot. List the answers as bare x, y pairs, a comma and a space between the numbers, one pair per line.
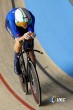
30, 74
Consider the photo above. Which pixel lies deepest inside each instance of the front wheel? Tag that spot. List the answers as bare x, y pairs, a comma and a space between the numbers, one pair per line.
34, 83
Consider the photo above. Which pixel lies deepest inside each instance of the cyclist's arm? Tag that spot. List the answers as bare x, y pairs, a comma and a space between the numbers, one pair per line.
26, 36
15, 32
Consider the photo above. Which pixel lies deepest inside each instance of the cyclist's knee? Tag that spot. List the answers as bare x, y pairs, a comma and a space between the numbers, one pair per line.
17, 46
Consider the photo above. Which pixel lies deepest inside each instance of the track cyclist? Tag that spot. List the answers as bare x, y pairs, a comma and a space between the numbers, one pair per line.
20, 24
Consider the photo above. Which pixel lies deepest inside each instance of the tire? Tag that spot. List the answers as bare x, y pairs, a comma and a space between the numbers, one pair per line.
34, 83
24, 75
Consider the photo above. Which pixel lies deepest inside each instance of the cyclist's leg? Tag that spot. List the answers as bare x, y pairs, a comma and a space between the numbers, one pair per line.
32, 56
30, 44
17, 68
17, 49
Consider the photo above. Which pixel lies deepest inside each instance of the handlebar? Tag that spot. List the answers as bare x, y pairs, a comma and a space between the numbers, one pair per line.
27, 50
38, 51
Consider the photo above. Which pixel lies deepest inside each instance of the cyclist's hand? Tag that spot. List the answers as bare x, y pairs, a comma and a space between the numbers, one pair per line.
32, 34
27, 36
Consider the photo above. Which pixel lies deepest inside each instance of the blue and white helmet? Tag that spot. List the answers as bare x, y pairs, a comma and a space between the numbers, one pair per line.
22, 15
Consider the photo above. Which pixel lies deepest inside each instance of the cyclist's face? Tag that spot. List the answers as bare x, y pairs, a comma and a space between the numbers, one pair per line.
25, 25
22, 24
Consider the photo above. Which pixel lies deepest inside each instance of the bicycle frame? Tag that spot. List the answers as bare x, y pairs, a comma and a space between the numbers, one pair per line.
31, 75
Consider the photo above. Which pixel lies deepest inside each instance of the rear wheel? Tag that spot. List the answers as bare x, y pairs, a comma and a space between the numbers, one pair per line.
34, 83
24, 75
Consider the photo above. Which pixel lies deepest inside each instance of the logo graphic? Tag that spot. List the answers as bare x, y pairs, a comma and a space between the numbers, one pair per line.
55, 99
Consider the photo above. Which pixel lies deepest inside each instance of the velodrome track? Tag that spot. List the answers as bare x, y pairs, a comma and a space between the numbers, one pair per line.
54, 82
